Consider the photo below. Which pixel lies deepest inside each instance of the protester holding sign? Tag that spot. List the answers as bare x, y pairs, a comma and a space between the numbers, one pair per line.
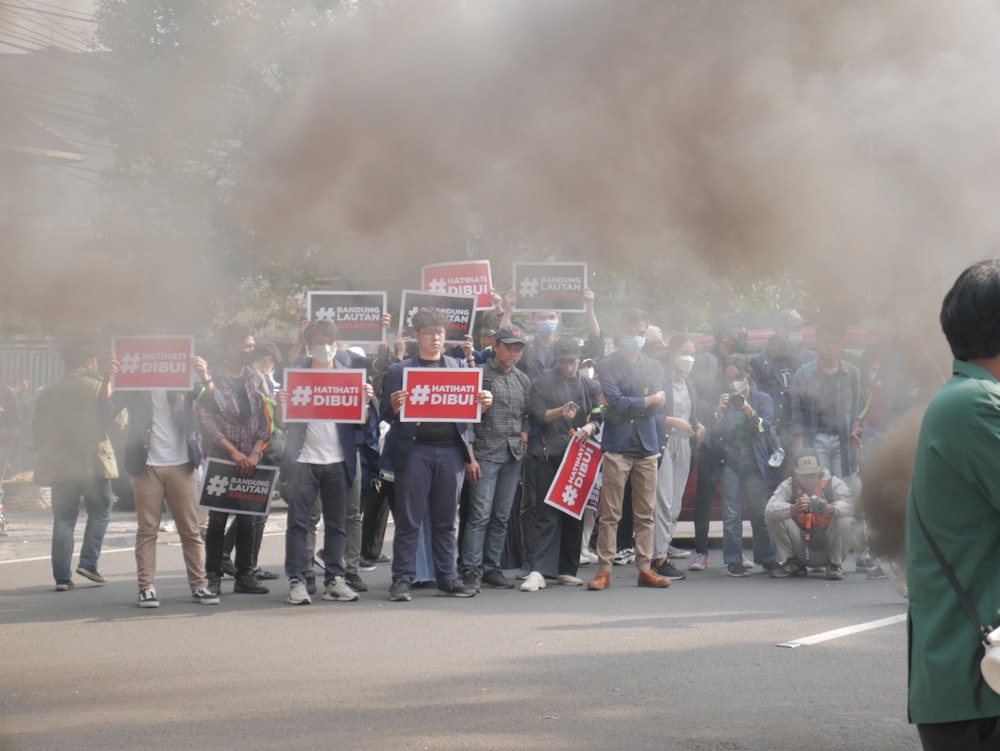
567, 407
235, 425
320, 459
429, 459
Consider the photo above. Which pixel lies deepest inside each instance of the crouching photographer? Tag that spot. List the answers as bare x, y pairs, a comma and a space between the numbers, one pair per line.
810, 519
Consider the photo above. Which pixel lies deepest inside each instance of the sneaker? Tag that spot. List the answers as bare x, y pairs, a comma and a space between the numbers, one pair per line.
534, 582
228, 569
383, 559
834, 572
297, 594
455, 588
669, 571
365, 565
624, 557
876, 573
736, 569
399, 591
204, 596
791, 567
264, 574
64, 586
147, 598
338, 591
248, 584
523, 572
587, 557
311, 583
471, 580
569, 581
495, 578
355, 582
769, 566
747, 563
673, 552
214, 583
699, 563
865, 564
93, 574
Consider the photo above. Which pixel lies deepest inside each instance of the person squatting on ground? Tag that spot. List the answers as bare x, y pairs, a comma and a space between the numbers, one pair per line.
633, 388
500, 441
75, 457
234, 425
429, 460
162, 454
320, 460
954, 500
567, 407
810, 519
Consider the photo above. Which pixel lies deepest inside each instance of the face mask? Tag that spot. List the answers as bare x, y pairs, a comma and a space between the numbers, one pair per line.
546, 328
794, 340
739, 386
587, 372
323, 353
684, 363
633, 343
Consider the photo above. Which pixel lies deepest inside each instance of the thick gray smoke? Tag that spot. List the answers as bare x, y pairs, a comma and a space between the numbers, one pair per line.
685, 146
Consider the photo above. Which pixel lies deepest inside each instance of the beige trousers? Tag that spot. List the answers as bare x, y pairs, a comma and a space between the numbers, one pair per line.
616, 469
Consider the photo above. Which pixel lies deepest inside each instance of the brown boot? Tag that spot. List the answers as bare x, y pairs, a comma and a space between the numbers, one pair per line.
649, 578
601, 581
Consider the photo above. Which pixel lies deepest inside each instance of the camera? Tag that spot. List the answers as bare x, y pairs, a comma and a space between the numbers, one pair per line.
817, 506
736, 401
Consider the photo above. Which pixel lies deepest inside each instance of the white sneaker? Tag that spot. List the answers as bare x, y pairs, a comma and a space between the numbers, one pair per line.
747, 563
147, 598
205, 596
533, 582
699, 563
339, 591
569, 581
673, 552
591, 556
297, 594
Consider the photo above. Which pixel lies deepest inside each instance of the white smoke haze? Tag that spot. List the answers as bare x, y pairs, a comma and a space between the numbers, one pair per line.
677, 144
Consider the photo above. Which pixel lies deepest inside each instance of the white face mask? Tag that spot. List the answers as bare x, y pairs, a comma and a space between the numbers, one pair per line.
684, 363
739, 387
587, 372
323, 353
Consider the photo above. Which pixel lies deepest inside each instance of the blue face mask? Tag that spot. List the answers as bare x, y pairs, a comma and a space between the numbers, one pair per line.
633, 343
546, 328
794, 340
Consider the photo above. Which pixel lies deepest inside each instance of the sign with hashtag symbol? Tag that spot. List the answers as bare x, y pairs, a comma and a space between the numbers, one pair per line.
577, 474
329, 395
441, 395
460, 310
357, 315
461, 278
226, 488
550, 286
153, 362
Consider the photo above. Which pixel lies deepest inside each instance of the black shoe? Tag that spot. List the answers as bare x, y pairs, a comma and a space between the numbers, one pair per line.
366, 565
736, 569
355, 582
264, 574
455, 588
91, 573
311, 583
834, 572
214, 583
248, 584
472, 581
399, 591
669, 571
495, 578
791, 567
228, 568
770, 566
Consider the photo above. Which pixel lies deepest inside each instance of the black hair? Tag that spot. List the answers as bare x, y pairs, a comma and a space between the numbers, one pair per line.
742, 364
323, 328
830, 328
726, 323
631, 317
76, 353
233, 334
427, 317
970, 313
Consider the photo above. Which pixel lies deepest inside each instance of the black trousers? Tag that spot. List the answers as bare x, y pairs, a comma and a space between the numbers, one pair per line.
967, 735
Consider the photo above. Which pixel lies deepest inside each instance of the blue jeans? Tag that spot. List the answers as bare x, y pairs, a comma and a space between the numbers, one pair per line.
97, 499
741, 478
490, 500
329, 482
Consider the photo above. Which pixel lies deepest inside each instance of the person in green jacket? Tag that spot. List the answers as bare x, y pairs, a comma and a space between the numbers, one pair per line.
955, 489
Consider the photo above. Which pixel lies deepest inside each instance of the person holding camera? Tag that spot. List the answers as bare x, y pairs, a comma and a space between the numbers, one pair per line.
810, 519
743, 419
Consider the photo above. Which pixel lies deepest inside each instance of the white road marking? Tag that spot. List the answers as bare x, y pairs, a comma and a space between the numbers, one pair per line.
846, 631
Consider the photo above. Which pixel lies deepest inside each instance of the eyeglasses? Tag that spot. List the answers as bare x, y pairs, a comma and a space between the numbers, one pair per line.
432, 333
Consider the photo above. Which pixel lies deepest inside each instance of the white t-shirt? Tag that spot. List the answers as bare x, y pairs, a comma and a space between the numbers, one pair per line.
322, 444
167, 445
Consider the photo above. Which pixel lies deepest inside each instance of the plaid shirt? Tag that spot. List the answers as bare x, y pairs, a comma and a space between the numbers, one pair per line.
498, 435
219, 417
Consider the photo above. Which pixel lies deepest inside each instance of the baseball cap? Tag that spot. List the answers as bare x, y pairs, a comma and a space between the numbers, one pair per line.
509, 335
806, 462
566, 348
790, 318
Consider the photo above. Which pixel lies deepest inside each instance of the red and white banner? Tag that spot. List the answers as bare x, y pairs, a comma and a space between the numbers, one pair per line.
575, 478
153, 362
460, 278
441, 394
331, 395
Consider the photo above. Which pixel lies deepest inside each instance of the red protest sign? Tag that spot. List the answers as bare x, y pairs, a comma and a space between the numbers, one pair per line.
153, 362
575, 477
461, 278
325, 394
441, 394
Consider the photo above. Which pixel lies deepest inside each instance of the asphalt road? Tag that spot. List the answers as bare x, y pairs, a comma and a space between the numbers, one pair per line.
694, 667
